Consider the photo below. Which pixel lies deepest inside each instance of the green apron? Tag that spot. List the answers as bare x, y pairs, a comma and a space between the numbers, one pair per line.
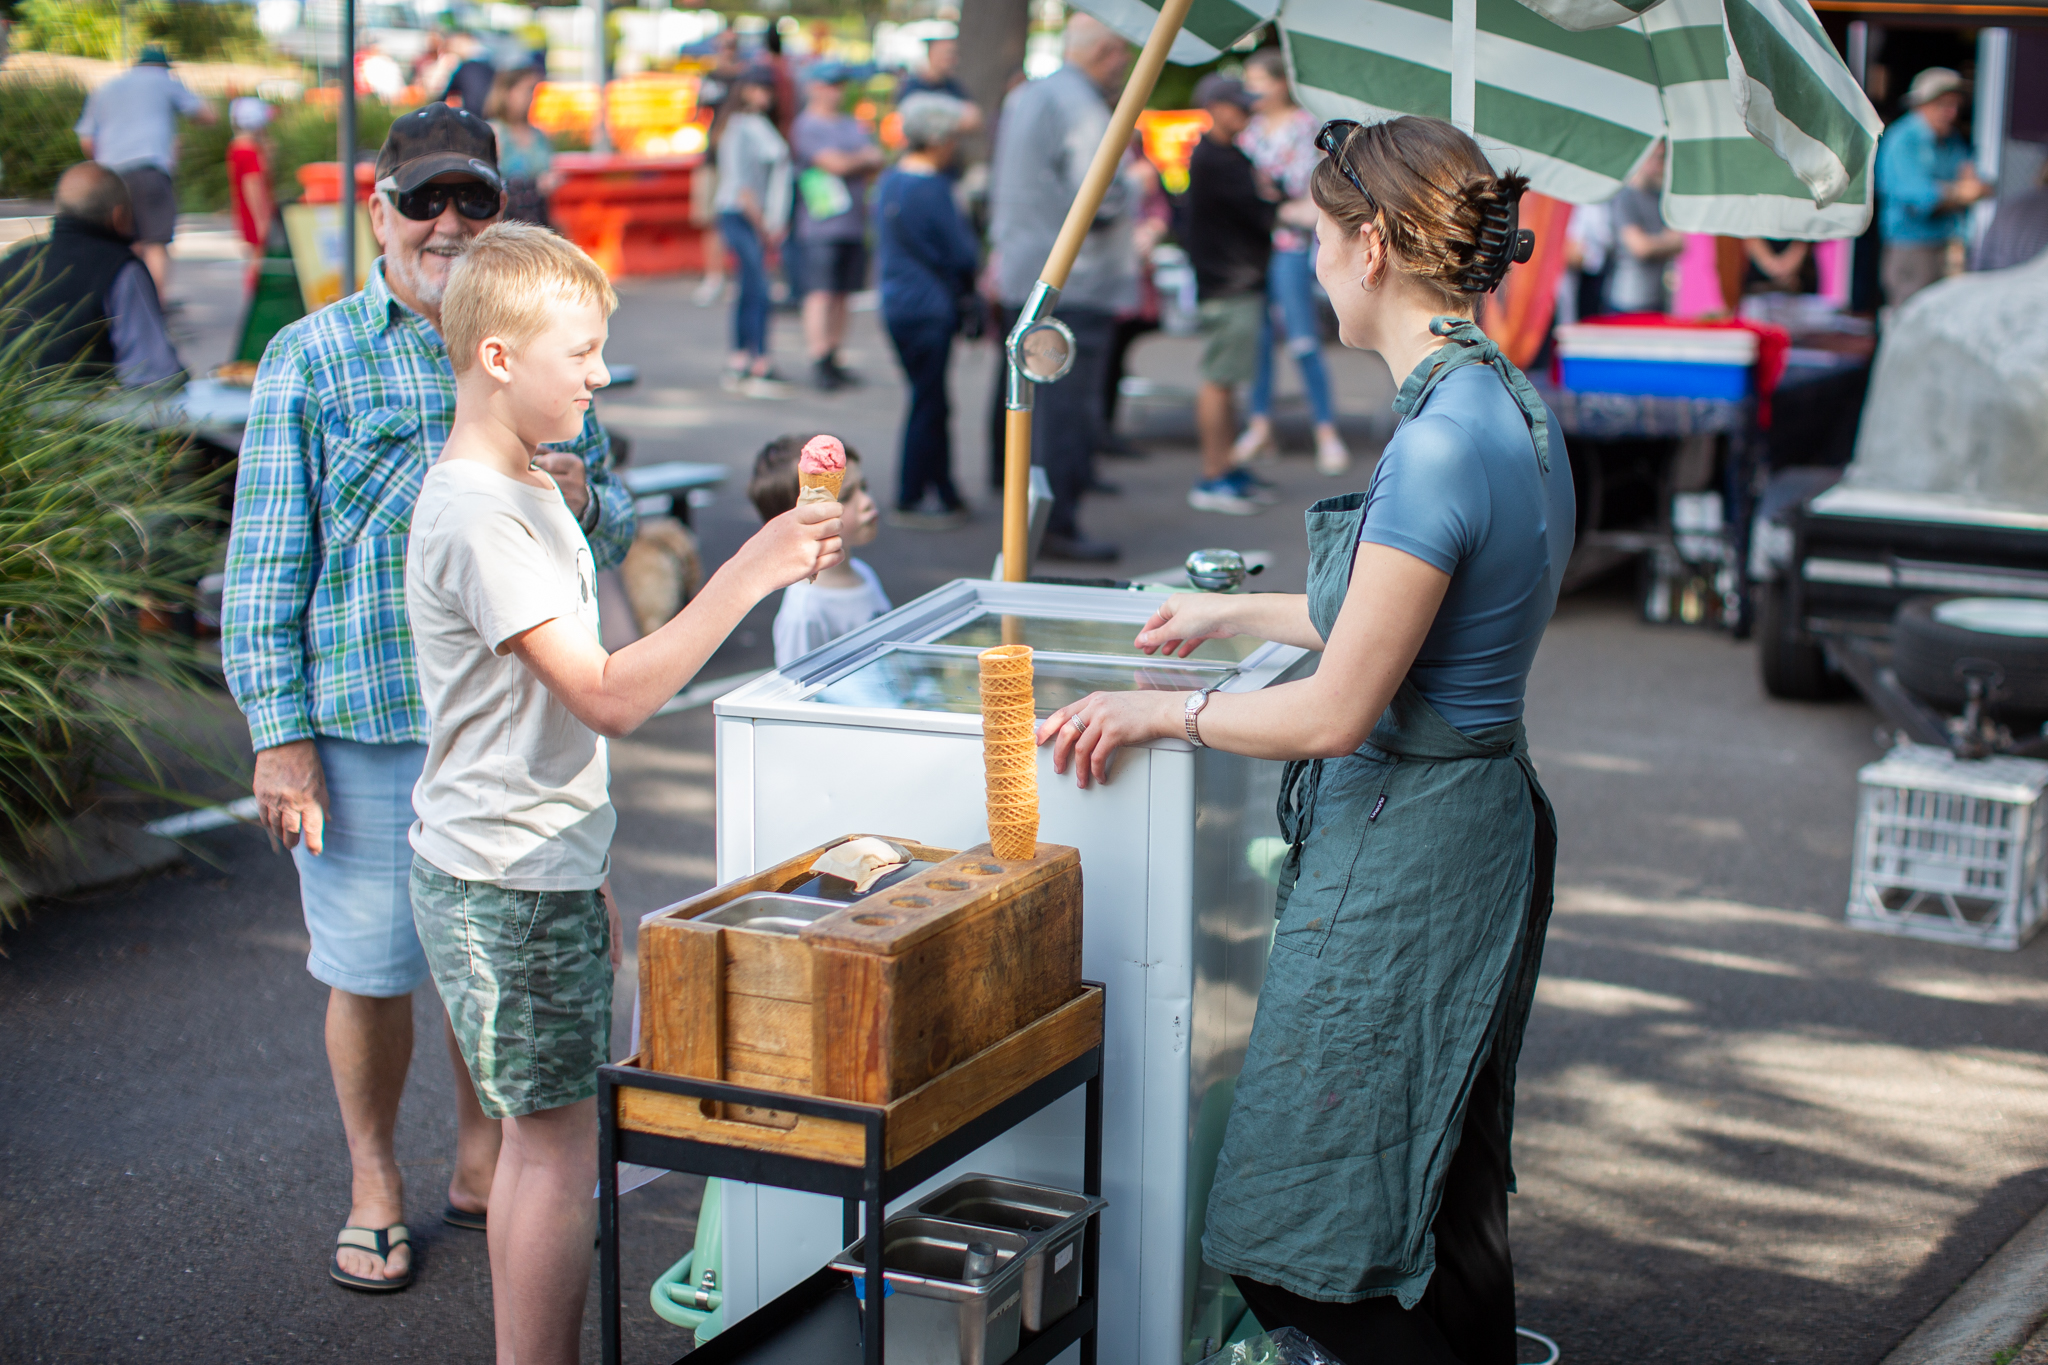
1412, 910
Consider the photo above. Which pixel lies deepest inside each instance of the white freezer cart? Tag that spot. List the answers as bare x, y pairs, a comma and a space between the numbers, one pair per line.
880, 732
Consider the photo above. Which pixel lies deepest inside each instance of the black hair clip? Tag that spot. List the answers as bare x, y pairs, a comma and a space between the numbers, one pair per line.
1500, 242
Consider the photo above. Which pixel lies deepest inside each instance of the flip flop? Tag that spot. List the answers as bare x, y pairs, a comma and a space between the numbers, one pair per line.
463, 1218
380, 1242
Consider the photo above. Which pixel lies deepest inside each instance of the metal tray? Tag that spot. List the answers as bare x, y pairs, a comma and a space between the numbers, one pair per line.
934, 1316
771, 912
1052, 1218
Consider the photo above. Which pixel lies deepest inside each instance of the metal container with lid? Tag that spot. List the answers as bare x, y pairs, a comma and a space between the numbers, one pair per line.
936, 1314
1053, 1218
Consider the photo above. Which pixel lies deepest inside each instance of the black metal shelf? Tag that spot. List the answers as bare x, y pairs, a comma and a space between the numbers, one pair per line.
819, 1322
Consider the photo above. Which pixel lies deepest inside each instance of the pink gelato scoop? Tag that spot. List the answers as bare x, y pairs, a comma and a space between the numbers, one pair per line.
822, 455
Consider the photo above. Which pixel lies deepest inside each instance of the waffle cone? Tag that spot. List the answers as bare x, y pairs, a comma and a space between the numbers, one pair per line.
819, 487
1014, 842
1009, 720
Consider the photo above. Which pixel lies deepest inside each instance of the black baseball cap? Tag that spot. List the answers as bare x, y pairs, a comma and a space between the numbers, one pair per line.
434, 141
1217, 88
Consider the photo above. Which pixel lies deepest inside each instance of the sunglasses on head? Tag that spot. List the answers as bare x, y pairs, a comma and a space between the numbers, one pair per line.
1330, 142
472, 199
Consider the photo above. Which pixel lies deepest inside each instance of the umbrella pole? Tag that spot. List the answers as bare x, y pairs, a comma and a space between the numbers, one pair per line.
345, 151
1046, 294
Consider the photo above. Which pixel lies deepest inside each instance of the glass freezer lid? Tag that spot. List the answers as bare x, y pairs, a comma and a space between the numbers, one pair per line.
909, 678
1071, 636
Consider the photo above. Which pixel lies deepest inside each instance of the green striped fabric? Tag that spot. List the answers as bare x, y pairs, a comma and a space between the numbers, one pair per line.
1770, 136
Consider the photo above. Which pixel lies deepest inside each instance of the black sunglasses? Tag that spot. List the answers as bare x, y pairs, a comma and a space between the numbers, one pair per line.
473, 200
1330, 142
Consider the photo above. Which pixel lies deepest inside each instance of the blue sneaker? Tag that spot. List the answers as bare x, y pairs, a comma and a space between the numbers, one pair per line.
1221, 495
1250, 485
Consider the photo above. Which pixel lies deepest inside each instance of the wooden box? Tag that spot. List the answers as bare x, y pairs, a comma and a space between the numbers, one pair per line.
874, 999
938, 1107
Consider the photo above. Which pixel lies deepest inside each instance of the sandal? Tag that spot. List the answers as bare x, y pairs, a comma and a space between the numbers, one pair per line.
463, 1218
379, 1242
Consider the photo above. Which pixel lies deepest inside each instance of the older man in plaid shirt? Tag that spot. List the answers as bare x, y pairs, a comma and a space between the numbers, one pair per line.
351, 407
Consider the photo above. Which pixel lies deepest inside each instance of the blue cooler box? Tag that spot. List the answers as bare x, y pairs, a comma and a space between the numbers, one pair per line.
1658, 362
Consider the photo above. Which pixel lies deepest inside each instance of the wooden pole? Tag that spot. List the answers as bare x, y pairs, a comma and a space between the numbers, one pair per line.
1087, 203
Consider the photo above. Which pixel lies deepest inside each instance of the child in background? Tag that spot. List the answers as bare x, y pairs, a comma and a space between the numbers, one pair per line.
512, 846
844, 597
249, 175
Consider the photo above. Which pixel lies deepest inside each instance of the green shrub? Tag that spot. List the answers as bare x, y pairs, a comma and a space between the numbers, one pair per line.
100, 521
36, 141
303, 133
190, 30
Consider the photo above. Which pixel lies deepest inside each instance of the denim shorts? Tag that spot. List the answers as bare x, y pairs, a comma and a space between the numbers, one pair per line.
527, 979
357, 902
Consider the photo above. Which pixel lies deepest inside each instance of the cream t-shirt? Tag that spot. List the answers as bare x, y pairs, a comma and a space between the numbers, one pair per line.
515, 788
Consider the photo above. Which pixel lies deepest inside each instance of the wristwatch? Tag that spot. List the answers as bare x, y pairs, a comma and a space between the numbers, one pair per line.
1196, 701
592, 514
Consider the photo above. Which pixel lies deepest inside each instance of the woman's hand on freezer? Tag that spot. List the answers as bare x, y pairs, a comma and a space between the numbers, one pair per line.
1089, 732
801, 542
1184, 621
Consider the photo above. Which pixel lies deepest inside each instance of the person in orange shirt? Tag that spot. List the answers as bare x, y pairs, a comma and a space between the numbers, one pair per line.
249, 175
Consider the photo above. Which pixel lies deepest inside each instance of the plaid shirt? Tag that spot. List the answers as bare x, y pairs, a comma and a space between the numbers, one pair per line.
351, 407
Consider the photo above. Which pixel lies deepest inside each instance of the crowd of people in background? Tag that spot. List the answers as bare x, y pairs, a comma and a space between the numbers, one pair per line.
797, 178
796, 175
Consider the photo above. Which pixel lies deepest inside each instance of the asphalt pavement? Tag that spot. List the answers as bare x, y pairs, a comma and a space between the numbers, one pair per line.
1746, 1132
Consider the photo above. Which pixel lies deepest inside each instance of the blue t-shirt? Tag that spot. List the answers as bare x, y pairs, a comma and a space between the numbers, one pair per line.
1912, 166
1459, 488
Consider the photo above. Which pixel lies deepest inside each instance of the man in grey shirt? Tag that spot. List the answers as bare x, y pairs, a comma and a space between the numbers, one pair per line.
130, 126
1635, 272
1045, 138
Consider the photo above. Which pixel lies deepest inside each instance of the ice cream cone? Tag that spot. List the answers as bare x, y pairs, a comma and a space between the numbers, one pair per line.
819, 487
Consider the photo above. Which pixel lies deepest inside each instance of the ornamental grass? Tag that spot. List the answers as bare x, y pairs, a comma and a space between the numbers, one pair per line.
105, 529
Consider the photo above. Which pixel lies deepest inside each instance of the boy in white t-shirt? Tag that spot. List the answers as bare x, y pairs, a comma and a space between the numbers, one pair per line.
511, 848
814, 614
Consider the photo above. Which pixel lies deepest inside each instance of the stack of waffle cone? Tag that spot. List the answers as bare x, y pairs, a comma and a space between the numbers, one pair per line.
1008, 718
819, 487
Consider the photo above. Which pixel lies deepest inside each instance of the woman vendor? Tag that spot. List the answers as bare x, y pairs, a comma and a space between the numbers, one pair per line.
1361, 1193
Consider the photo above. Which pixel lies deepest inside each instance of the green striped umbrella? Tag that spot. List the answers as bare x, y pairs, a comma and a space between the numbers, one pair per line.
1770, 134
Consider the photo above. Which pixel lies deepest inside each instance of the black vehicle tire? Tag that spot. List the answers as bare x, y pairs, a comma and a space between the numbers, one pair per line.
1925, 653
1793, 669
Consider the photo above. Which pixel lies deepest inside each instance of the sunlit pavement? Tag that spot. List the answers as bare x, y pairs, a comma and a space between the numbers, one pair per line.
1746, 1133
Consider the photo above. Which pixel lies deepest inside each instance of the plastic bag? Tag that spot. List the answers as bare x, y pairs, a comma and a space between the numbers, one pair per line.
1288, 1346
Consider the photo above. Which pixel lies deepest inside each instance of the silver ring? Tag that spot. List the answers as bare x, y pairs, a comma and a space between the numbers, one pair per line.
1077, 725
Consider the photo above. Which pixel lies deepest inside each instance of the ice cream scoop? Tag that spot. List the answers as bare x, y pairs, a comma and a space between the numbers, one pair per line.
820, 469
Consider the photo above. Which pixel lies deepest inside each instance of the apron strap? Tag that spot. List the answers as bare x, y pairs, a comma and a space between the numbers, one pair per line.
1470, 346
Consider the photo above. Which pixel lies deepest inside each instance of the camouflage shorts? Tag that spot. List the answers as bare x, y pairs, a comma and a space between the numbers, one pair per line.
527, 979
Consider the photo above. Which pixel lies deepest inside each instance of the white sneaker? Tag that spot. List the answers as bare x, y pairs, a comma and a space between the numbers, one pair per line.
709, 291
1331, 455
1220, 495
1255, 443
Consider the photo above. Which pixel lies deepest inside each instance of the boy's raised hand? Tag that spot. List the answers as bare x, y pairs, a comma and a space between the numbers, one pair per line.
801, 542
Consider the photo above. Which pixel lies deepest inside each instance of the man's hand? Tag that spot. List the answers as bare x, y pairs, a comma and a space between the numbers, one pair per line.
569, 475
291, 794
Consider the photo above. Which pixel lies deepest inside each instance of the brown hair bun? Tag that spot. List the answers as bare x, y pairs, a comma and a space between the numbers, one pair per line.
1446, 214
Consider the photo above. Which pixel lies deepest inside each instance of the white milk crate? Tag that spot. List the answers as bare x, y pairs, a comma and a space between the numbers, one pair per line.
1950, 849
